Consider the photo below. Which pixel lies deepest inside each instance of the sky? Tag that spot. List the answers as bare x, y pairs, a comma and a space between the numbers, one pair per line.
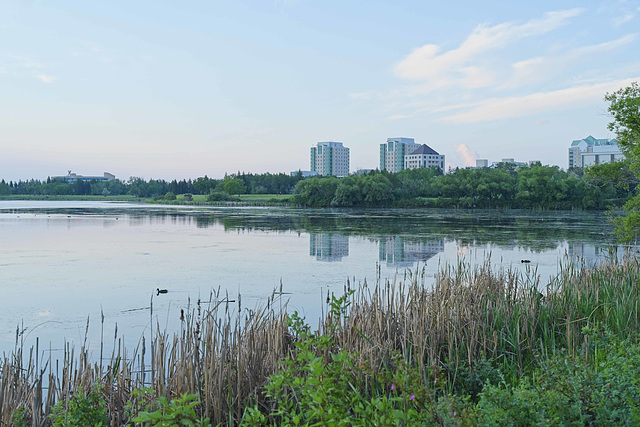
178, 90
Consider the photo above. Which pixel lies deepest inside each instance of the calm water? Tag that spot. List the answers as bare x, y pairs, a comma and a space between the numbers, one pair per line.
61, 262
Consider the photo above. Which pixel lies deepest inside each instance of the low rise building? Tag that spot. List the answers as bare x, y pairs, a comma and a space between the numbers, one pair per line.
591, 151
424, 157
72, 176
305, 174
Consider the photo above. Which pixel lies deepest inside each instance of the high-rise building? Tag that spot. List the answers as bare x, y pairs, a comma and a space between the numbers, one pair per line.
424, 157
590, 151
393, 151
330, 158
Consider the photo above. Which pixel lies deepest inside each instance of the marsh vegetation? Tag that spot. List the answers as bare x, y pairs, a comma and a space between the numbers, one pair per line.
479, 346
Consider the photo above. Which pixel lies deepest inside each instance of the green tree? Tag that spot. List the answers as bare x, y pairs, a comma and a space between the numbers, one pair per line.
348, 193
232, 186
316, 192
625, 110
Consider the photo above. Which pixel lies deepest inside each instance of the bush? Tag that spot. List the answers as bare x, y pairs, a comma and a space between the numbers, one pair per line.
601, 387
220, 197
81, 410
322, 385
178, 412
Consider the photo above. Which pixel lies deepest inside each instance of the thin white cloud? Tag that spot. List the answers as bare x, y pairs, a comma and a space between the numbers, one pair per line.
44, 78
427, 63
623, 19
540, 68
26, 62
503, 108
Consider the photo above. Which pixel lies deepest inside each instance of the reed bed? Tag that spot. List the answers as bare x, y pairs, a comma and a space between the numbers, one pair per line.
470, 314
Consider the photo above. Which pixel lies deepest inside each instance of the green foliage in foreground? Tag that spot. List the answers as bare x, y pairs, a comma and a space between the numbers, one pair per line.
81, 410
321, 385
624, 107
579, 365
178, 412
599, 387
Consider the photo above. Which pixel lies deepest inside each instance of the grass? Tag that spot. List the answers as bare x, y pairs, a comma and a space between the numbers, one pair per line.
473, 316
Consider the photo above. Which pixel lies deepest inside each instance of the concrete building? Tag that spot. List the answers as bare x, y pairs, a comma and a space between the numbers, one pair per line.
393, 151
71, 177
330, 158
509, 161
362, 171
484, 163
591, 151
305, 174
424, 157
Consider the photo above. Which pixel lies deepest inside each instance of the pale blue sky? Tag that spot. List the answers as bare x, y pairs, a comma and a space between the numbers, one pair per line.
161, 89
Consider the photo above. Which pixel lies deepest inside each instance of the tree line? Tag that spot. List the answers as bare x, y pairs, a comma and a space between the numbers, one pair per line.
505, 186
239, 183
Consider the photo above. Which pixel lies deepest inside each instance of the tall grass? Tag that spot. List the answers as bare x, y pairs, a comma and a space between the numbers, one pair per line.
470, 315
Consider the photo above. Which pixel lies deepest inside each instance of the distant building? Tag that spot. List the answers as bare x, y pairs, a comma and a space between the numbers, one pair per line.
362, 171
424, 157
484, 163
71, 177
330, 158
509, 161
305, 174
393, 151
590, 151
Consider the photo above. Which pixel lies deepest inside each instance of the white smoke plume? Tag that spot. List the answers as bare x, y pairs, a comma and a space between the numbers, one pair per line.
467, 156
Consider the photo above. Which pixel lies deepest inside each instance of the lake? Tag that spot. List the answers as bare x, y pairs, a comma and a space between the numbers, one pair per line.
64, 262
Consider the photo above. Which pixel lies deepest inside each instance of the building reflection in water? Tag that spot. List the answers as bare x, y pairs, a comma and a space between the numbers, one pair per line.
328, 247
592, 253
396, 250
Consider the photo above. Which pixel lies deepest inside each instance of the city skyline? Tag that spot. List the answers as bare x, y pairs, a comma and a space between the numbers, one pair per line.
166, 91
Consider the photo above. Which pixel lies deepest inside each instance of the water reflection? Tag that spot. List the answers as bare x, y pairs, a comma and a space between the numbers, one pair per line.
591, 253
328, 247
401, 252
64, 261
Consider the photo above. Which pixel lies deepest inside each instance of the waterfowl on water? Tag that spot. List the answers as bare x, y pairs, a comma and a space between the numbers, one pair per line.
525, 260
161, 291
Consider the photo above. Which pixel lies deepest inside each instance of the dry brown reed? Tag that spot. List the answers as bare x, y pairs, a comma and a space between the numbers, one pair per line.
226, 359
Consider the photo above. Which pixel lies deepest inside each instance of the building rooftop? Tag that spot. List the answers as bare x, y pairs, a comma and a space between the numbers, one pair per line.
591, 141
425, 149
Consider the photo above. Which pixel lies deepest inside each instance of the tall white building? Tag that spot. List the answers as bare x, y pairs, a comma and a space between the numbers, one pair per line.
330, 158
590, 151
424, 157
393, 151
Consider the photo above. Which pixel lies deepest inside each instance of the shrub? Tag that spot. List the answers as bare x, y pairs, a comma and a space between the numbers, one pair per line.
220, 197
178, 412
81, 410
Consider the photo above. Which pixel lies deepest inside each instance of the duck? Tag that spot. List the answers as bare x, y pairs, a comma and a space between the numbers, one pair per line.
525, 260
161, 291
